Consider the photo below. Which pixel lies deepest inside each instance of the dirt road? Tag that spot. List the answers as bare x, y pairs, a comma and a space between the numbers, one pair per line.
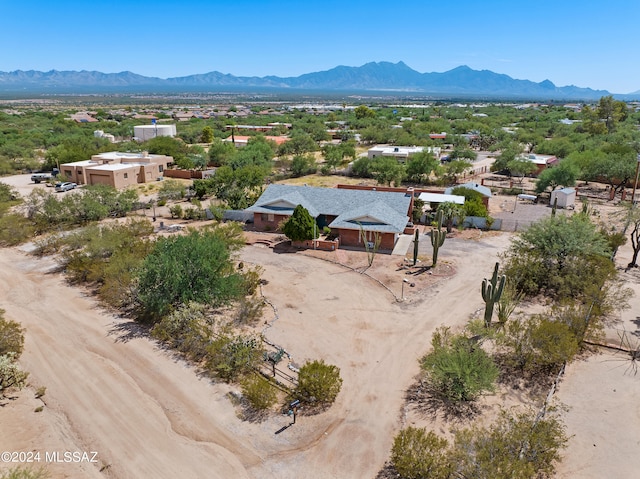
112, 390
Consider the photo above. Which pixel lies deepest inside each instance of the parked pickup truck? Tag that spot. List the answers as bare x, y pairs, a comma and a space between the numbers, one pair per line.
39, 177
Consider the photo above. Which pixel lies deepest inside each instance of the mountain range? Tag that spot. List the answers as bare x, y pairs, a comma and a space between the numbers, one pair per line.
392, 78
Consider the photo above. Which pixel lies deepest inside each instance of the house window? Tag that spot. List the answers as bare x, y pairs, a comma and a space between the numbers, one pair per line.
267, 217
160, 168
126, 175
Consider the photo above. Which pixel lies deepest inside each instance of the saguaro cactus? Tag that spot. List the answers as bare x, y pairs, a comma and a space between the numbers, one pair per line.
491, 293
437, 237
416, 244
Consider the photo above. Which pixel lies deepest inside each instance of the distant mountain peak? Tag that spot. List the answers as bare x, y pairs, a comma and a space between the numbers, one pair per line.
372, 76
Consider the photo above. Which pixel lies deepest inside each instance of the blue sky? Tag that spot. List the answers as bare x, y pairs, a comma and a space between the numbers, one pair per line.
586, 43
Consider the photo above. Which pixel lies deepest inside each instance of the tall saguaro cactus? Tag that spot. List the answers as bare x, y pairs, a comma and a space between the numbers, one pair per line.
491, 293
437, 237
416, 246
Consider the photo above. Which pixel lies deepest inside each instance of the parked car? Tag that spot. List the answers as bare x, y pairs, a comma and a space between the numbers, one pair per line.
66, 186
38, 177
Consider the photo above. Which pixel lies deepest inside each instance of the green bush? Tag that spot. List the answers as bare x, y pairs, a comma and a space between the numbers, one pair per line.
230, 357
176, 211
539, 343
458, 368
259, 392
25, 473
515, 446
318, 383
186, 330
171, 190
418, 454
11, 336
11, 376
14, 229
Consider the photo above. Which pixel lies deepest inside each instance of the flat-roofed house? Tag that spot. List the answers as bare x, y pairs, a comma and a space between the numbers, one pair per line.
400, 153
345, 211
117, 169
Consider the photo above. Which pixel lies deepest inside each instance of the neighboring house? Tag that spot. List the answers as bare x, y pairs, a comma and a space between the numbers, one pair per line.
241, 140
146, 132
84, 117
261, 128
116, 169
429, 198
345, 211
400, 153
542, 162
486, 192
106, 136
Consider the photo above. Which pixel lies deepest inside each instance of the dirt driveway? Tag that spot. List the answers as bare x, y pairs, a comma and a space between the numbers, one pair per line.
112, 390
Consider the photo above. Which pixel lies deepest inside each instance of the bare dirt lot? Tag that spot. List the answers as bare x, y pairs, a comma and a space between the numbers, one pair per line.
147, 414
112, 390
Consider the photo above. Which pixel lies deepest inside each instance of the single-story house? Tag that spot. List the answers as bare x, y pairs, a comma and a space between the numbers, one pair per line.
345, 211
240, 140
400, 153
441, 198
117, 169
483, 190
147, 132
542, 162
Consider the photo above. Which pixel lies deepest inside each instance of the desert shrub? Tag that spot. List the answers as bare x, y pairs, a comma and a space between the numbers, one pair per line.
195, 214
162, 202
231, 356
8, 193
516, 445
11, 336
318, 383
11, 376
418, 454
176, 211
302, 165
171, 190
251, 279
562, 257
457, 367
106, 255
539, 343
249, 310
185, 329
508, 302
25, 473
14, 229
475, 208
259, 392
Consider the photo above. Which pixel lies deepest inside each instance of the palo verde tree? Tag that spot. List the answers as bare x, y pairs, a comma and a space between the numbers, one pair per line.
565, 174
561, 256
300, 226
193, 267
521, 167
